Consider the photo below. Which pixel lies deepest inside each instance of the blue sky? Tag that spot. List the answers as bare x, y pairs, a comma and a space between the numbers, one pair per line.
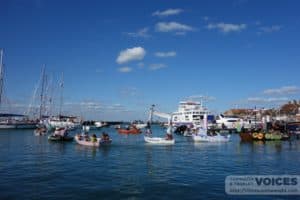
119, 57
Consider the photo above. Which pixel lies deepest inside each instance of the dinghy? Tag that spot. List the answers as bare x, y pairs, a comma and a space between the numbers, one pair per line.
40, 131
202, 135
87, 142
93, 141
158, 140
208, 138
129, 131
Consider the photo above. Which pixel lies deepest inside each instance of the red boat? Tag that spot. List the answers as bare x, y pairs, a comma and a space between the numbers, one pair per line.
129, 131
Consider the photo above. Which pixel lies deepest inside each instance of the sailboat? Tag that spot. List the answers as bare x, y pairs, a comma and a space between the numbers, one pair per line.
158, 140
12, 121
203, 136
60, 121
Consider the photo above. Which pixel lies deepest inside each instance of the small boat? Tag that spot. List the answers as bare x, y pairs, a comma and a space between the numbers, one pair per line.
158, 140
208, 138
139, 124
87, 142
60, 134
202, 136
60, 138
40, 131
129, 131
103, 142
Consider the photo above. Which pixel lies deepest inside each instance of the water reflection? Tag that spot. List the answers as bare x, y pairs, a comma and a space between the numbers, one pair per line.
58, 147
91, 152
86, 151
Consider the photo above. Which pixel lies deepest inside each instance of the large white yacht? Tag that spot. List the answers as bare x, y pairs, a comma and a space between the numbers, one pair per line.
189, 113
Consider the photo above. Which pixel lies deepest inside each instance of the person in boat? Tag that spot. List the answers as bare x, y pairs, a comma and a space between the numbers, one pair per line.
79, 136
169, 136
85, 136
94, 138
105, 136
148, 131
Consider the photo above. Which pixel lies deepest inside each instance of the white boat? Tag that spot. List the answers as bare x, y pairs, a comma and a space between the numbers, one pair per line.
230, 122
139, 124
92, 125
208, 138
202, 136
69, 122
80, 140
189, 113
158, 140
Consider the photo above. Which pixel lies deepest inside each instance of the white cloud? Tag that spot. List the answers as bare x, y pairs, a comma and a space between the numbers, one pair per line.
270, 29
267, 100
135, 53
125, 69
129, 92
286, 90
172, 27
143, 33
157, 66
226, 28
165, 54
167, 12
201, 97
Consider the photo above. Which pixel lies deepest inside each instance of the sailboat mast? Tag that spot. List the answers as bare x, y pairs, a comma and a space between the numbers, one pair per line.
151, 114
61, 93
1, 75
42, 92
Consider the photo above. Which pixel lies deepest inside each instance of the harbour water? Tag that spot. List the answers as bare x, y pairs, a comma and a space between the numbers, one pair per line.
31, 167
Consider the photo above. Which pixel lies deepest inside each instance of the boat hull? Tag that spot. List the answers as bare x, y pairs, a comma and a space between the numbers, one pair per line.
132, 131
158, 140
87, 143
206, 138
60, 138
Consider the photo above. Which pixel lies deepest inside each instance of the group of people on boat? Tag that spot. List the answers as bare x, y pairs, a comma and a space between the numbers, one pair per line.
85, 136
